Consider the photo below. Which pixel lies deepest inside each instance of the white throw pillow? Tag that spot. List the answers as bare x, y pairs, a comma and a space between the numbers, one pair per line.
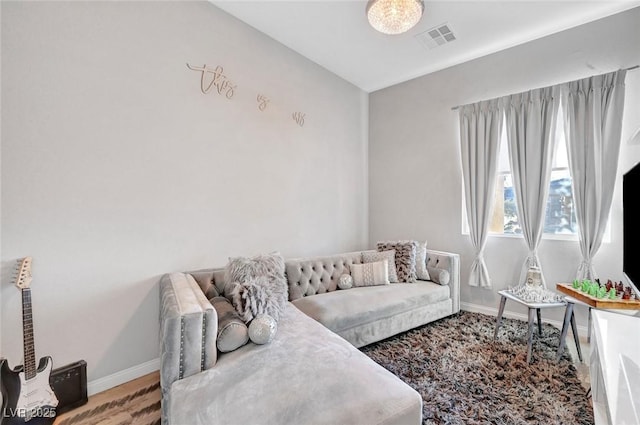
370, 274
421, 262
390, 256
439, 276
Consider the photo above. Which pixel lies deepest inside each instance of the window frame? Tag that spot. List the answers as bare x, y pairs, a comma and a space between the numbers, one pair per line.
545, 236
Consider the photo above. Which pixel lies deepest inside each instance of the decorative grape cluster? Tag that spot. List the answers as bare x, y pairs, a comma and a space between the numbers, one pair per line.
610, 290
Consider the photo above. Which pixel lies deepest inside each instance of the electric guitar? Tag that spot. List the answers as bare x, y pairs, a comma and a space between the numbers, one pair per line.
27, 396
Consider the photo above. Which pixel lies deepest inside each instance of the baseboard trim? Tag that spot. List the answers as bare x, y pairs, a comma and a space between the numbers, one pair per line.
476, 308
118, 378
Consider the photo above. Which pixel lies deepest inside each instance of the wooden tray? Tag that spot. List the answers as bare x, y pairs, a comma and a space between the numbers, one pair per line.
604, 303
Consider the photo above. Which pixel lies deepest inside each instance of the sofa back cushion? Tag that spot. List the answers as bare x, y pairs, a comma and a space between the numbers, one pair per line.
211, 281
311, 276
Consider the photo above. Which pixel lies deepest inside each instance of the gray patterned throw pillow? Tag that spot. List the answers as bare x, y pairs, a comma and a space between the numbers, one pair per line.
405, 258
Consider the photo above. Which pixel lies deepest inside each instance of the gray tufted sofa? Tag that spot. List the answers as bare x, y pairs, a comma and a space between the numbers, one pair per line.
312, 372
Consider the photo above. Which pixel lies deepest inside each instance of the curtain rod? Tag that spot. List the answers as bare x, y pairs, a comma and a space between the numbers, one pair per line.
625, 69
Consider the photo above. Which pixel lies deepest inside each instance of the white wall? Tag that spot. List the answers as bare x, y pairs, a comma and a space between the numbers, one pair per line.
117, 169
415, 179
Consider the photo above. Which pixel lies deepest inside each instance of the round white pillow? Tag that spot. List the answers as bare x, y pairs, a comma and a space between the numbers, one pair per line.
262, 329
345, 282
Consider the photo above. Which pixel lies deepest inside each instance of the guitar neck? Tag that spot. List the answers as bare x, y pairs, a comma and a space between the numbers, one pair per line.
27, 334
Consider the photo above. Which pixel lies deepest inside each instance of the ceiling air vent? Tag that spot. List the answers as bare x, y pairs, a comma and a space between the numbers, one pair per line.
436, 36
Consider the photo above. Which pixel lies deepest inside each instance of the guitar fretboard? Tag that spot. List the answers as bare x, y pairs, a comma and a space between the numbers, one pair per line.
27, 334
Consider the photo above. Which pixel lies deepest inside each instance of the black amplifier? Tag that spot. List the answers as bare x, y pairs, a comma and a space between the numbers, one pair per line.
69, 383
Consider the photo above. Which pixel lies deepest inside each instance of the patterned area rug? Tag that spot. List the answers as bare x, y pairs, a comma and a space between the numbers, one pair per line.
133, 403
465, 377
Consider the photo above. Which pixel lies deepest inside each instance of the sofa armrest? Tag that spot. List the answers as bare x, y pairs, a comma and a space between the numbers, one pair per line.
188, 329
451, 263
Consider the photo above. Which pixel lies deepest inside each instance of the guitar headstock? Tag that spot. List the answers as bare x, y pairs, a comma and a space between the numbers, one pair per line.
23, 279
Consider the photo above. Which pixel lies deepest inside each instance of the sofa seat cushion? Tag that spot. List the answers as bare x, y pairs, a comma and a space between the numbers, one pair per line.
306, 375
345, 309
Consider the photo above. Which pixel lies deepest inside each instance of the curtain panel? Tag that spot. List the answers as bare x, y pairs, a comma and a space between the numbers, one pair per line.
592, 116
480, 128
593, 109
530, 119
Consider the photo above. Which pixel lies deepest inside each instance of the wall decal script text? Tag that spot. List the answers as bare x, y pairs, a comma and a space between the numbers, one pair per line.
211, 78
298, 117
262, 102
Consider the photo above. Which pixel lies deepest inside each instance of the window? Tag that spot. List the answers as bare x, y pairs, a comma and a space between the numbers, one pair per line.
560, 218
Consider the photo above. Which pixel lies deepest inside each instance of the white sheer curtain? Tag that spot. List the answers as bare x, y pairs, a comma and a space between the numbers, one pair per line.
480, 127
530, 122
593, 109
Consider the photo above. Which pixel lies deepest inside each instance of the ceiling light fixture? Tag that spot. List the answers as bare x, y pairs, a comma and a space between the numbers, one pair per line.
394, 16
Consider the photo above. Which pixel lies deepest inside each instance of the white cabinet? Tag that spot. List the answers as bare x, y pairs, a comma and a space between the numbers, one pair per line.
614, 367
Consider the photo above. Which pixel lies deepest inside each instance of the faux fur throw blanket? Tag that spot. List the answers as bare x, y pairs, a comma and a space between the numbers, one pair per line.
257, 285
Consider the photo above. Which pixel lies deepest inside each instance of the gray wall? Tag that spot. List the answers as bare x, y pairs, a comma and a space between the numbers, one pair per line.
117, 169
415, 184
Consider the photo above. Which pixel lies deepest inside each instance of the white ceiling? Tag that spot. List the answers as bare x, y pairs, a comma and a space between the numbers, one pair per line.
336, 35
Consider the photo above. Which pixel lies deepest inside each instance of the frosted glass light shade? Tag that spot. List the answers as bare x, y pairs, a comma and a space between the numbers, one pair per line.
394, 16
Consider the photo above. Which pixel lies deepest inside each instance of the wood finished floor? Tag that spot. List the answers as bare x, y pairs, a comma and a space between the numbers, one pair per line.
138, 402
